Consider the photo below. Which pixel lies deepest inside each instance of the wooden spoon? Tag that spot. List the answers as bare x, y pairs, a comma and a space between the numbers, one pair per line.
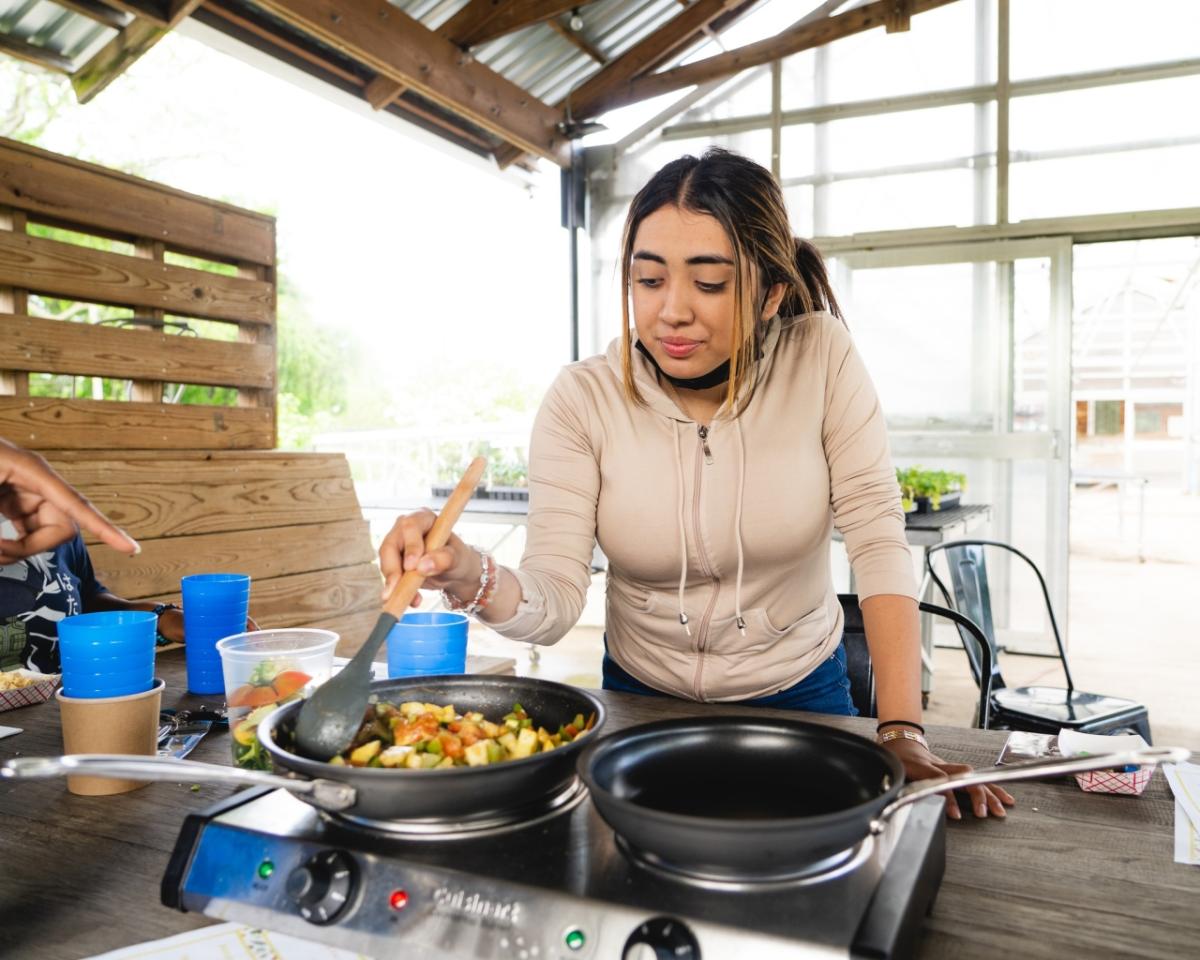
332, 715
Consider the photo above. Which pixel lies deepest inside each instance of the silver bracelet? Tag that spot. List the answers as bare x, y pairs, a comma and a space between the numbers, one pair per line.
483, 596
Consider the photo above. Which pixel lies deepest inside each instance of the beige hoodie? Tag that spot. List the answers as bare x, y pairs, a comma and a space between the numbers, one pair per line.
719, 584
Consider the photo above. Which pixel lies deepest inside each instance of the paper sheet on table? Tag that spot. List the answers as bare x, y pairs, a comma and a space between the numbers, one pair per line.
1184, 779
1187, 837
230, 941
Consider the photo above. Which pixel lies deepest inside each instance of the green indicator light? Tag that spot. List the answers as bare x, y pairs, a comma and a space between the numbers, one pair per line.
575, 939
265, 869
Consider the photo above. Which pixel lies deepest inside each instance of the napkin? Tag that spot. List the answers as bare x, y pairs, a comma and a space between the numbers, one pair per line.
1184, 779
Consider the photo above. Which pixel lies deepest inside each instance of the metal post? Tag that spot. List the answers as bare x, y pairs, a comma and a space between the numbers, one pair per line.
1002, 98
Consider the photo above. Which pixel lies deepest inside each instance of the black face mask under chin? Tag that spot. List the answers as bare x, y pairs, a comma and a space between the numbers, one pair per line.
714, 378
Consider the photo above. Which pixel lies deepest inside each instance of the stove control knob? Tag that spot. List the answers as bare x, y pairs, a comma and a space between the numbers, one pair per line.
661, 938
322, 887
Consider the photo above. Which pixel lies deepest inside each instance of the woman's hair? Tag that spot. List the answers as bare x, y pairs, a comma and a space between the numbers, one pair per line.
748, 203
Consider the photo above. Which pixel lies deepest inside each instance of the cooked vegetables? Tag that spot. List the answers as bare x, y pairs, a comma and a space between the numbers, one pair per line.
424, 736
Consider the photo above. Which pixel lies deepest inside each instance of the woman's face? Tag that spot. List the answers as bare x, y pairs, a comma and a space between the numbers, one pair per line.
682, 277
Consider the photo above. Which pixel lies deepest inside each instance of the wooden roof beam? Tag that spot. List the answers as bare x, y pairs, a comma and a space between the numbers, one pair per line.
483, 20
577, 39
402, 49
154, 11
50, 59
95, 10
116, 56
893, 14
684, 28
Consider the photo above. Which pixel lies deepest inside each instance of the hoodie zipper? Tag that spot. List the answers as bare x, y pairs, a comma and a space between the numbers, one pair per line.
702, 631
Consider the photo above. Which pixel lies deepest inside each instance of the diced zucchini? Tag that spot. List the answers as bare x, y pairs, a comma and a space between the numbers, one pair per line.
490, 729
413, 761
361, 755
429, 761
338, 761
495, 752
434, 746
508, 742
445, 762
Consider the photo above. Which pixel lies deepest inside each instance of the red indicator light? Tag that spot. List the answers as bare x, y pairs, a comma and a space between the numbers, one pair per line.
398, 899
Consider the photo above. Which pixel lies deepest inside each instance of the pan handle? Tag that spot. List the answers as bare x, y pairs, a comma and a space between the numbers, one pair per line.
326, 794
1033, 770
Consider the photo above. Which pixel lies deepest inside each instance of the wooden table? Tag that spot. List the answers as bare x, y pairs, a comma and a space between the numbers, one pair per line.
1067, 874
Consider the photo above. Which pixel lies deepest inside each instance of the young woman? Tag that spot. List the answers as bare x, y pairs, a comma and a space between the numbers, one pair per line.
711, 452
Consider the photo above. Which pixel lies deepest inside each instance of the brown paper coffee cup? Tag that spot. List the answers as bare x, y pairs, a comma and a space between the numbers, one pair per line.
126, 724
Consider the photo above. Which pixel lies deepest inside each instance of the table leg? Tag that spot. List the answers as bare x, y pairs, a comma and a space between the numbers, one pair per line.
926, 595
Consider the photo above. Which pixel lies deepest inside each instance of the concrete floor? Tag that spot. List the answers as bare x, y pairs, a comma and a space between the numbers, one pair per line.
1134, 629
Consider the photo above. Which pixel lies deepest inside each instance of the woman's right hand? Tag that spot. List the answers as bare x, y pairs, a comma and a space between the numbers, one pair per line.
454, 567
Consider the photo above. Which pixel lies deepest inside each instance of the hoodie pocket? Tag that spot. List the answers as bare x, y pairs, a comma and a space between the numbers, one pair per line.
761, 634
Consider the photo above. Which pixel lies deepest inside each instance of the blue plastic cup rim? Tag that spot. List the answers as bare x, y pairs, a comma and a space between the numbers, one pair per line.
156, 686
200, 579
108, 621
439, 672
432, 619
89, 690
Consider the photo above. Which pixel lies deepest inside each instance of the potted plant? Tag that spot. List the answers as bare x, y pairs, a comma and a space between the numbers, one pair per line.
452, 461
509, 476
927, 491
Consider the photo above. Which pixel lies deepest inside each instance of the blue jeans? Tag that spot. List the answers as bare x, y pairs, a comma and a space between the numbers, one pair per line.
825, 690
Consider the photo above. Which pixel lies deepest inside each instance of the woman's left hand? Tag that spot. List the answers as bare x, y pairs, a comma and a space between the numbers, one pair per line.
921, 764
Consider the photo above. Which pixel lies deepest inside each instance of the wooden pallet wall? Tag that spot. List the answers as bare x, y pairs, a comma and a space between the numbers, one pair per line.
150, 223
198, 485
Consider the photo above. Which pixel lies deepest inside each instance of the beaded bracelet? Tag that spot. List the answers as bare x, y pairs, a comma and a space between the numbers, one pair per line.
483, 596
891, 735
899, 723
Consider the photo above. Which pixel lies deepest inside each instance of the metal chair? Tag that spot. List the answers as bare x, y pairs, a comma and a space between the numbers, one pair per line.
1040, 709
858, 657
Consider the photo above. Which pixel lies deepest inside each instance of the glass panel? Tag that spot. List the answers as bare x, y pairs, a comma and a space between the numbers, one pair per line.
937, 198
944, 321
893, 139
923, 318
1107, 183
1052, 37
1106, 116
937, 53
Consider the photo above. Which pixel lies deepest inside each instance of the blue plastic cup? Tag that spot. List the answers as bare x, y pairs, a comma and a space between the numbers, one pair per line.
215, 606
428, 643
107, 654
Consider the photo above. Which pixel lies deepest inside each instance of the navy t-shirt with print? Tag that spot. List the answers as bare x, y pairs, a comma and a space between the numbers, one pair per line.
35, 594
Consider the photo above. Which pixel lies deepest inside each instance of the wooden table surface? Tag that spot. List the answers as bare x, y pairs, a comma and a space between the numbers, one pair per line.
1067, 874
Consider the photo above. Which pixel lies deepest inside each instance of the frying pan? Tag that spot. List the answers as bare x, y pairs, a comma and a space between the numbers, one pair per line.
458, 794
754, 798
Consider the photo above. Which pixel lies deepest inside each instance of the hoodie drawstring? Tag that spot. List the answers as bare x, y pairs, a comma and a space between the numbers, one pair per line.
737, 524
683, 617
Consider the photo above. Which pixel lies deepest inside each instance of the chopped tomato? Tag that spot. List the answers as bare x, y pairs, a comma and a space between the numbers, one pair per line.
248, 695
424, 727
288, 683
452, 746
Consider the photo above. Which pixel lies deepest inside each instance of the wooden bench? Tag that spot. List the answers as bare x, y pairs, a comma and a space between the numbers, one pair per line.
290, 520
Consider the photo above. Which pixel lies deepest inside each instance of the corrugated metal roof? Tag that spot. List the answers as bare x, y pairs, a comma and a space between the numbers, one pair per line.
542, 61
41, 23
